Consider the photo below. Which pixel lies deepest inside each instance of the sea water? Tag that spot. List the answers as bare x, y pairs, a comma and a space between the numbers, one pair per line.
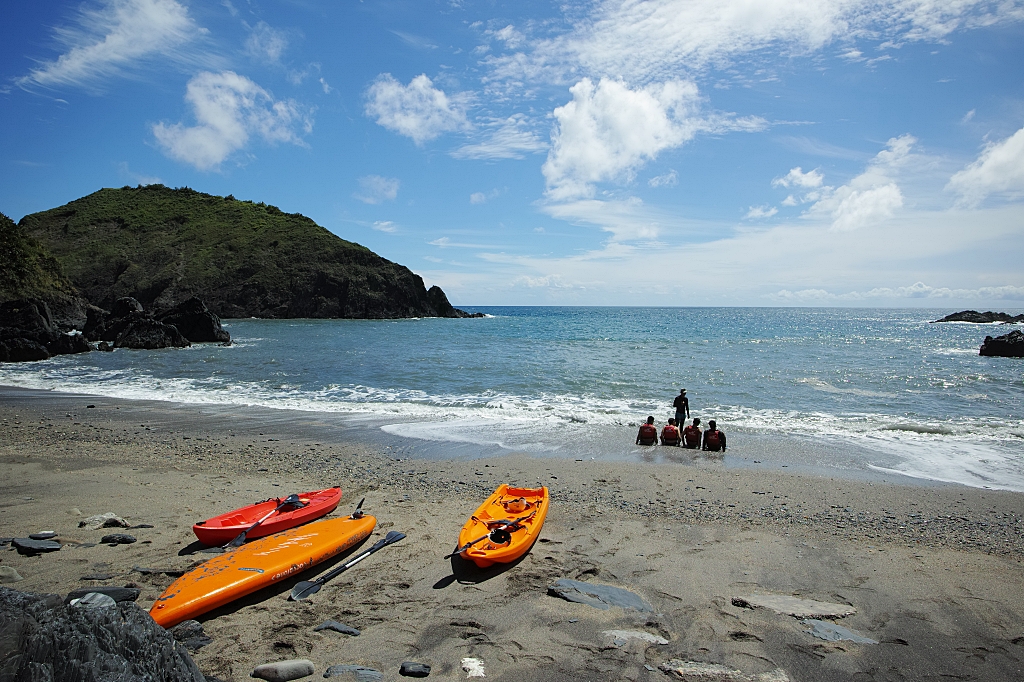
845, 389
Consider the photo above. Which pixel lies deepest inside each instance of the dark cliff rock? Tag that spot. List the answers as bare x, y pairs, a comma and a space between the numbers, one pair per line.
980, 318
195, 322
163, 246
127, 325
1008, 346
43, 639
28, 333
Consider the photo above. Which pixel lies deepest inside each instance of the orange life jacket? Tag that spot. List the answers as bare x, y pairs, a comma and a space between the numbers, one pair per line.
692, 435
670, 435
648, 434
712, 440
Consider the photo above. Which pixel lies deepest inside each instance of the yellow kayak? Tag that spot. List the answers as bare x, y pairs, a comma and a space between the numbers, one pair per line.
505, 526
258, 564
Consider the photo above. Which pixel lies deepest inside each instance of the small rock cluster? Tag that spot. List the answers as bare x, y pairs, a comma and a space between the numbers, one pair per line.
1007, 346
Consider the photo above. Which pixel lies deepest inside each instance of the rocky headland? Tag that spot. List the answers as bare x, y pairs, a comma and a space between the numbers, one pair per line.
981, 318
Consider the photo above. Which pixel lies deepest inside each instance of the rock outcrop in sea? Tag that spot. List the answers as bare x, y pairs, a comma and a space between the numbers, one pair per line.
981, 318
28, 332
1007, 346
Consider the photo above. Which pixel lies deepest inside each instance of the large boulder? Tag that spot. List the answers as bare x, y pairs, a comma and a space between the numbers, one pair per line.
22, 350
1007, 346
146, 333
27, 319
68, 344
195, 321
43, 639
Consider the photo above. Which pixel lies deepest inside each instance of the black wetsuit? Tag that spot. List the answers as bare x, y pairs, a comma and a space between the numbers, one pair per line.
682, 406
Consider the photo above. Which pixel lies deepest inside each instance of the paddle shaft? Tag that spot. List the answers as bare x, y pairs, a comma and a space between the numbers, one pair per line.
239, 539
304, 589
506, 525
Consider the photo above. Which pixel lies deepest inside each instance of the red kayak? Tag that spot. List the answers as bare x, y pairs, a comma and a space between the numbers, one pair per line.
224, 528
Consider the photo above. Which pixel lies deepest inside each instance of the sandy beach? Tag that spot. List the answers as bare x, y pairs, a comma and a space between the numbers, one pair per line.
933, 572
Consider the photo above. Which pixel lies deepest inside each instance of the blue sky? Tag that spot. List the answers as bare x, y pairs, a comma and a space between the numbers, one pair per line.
668, 152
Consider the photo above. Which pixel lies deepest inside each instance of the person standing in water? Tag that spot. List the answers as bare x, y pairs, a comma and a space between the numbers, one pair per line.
682, 406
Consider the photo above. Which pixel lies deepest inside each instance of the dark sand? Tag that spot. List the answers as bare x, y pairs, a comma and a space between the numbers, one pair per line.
933, 571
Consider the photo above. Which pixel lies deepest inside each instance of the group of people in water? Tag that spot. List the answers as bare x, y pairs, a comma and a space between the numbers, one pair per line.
691, 436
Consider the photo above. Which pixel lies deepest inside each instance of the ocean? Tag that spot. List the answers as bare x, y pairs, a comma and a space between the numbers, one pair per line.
855, 392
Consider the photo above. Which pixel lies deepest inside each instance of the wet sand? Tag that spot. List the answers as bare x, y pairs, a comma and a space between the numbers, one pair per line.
934, 571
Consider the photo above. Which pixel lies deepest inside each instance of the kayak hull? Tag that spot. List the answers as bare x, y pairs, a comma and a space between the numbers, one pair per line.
255, 565
224, 528
502, 505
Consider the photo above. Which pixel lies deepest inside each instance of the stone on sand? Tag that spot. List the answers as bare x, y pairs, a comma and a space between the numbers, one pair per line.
355, 672
625, 635
413, 669
117, 539
794, 606
284, 671
190, 633
599, 596
474, 667
107, 520
696, 671
337, 627
118, 594
834, 633
9, 574
27, 546
93, 600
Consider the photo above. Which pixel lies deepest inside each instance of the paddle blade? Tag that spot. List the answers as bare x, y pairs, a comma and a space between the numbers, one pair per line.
303, 590
392, 537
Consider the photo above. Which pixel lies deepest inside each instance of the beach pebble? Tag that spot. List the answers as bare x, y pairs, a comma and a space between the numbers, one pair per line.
474, 667
43, 535
118, 594
108, 520
794, 606
93, 600
283, 671
834, 633
27, 546
98, 576
599, 596
9, 574
696, 671
337, 627
355, 672
190, 634
624, 635
411, 669
117, 539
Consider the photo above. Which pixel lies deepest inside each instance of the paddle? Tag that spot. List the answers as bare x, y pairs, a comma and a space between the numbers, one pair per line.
239, 540
497, 534
306, 588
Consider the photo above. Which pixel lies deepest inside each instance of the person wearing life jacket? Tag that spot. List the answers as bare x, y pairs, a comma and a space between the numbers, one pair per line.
714, 440
692, 434
670, 434
648, 433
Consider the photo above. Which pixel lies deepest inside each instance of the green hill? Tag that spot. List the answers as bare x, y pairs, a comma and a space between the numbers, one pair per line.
162, 246
28, 271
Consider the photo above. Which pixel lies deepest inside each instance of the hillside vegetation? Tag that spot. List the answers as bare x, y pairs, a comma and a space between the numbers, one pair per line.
27, 271
161, 246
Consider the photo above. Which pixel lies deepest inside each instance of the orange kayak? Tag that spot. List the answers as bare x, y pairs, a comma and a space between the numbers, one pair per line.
505, 527
255, 565
223, 529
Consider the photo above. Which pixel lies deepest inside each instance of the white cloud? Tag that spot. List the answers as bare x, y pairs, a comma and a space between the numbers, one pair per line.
607, 131
797, 178
510, 138
376, 189
918, 290
477, 198
667, 180
758, 212
229, 109
385, 226
998, 169
265, 43
968, 116
323, 84
644, 42
116, 38
873, 196
418, 110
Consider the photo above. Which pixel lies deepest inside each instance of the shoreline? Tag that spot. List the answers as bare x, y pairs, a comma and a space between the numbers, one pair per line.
934, 571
